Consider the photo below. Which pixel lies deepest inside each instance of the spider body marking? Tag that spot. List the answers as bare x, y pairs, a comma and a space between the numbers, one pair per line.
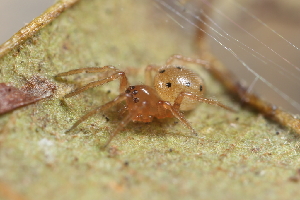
174, 88
171, 80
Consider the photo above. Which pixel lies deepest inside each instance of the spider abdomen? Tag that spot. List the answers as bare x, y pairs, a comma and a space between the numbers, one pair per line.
171, 80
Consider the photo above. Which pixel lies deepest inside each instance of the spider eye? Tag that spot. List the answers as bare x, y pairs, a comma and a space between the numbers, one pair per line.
135, 100
201, 88
168, 84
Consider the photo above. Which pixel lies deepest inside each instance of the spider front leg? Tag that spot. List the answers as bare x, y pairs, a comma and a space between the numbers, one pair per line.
123, 123
117, 74
106, 106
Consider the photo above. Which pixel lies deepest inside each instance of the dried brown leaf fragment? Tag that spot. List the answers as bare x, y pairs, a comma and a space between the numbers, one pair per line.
35, 89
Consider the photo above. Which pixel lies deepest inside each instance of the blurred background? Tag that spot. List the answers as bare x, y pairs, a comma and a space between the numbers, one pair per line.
14, 14
263, 34
270, 31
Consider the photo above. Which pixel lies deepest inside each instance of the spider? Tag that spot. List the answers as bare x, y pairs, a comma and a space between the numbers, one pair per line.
174, 89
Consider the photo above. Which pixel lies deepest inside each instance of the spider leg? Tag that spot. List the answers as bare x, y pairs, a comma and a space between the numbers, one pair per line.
123, 123
121, 75
106, 106
117, 74
87, 70
188, 60
176, 112
148, 75
204, 63
180, 97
